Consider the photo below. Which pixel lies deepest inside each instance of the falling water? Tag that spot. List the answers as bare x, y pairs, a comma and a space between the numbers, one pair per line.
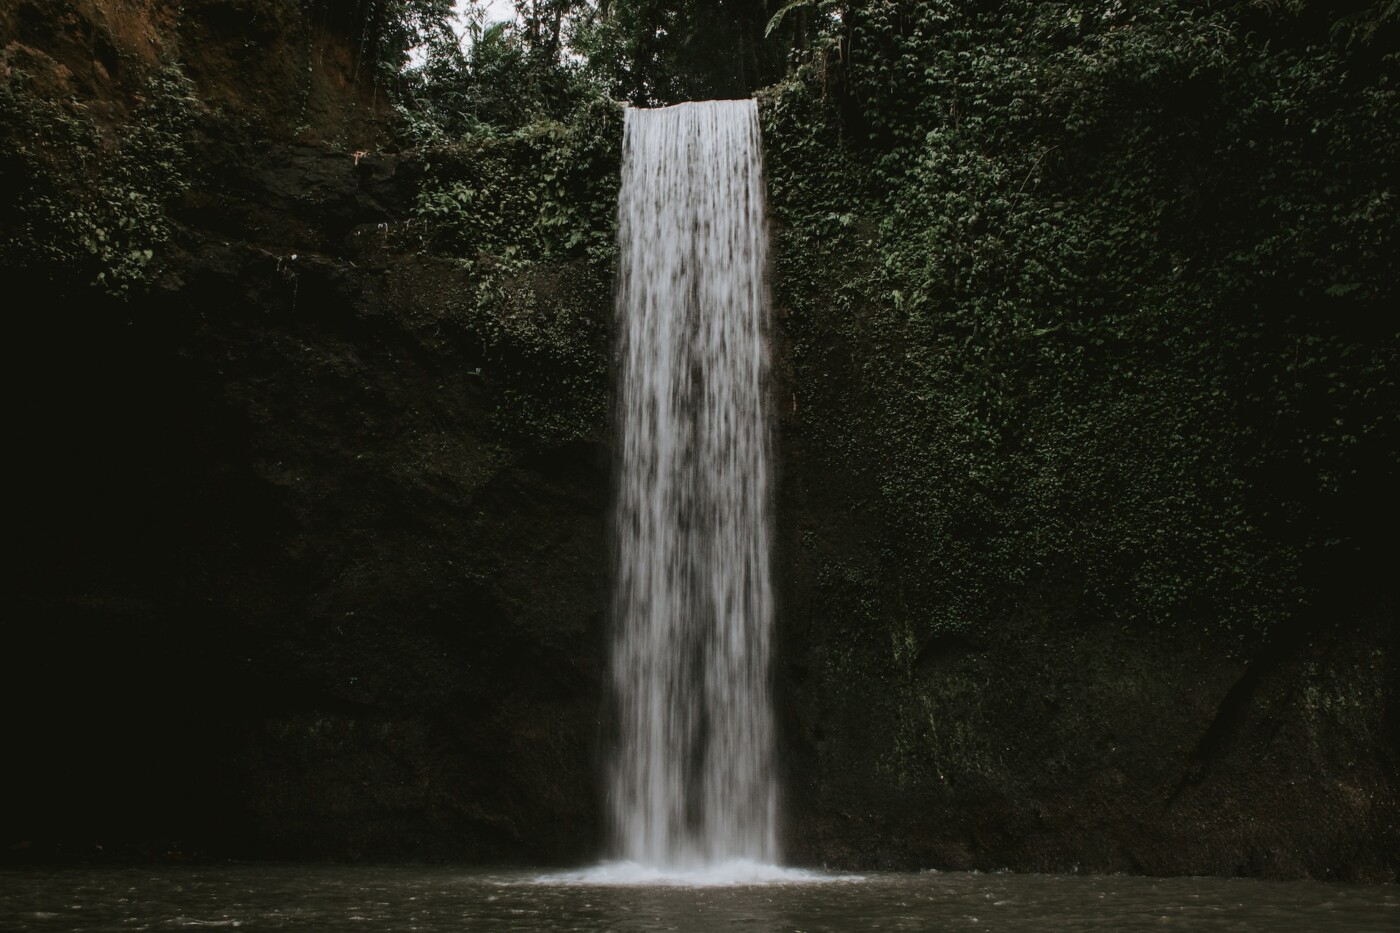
692, 781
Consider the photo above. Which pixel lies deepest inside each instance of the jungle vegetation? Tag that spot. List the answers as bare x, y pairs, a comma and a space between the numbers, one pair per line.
1096, 295
1092, 293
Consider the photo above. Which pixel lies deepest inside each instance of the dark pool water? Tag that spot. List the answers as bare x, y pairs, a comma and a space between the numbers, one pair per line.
433, 899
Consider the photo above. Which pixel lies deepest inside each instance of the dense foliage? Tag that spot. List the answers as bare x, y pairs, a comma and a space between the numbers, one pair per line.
1077, 293
1089, 294
529, 212
1097, 294
519, 156
652, 52
83, 207
518, 126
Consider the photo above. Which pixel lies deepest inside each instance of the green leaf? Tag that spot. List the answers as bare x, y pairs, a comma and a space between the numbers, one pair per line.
777, 19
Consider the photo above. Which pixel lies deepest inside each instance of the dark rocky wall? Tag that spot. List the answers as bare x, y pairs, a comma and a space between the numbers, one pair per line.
286, 587
290, 586
1061, 589
1060, 741
1058, 738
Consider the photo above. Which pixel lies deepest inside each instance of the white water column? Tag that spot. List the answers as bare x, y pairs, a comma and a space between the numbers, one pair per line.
692, 780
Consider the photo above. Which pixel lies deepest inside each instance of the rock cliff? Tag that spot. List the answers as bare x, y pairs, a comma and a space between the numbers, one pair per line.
308, 567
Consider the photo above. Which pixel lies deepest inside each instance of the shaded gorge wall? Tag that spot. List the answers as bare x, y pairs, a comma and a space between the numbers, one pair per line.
1086, 429
314, 477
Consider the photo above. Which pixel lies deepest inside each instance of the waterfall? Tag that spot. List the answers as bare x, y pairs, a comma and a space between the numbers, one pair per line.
692, 780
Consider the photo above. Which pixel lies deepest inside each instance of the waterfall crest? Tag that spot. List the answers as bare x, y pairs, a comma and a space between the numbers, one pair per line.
692, 780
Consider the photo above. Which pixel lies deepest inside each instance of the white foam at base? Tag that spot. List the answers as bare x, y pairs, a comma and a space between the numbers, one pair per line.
720, 874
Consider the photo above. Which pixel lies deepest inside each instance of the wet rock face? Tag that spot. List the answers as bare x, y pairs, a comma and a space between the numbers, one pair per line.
1058, 740
272, 540
287, 586
1100, 752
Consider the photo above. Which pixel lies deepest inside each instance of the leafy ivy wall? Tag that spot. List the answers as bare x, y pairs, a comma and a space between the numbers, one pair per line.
81, 208
1082, 293
1084, 310
1076, 291
1087, 407
529, 213
1096, 295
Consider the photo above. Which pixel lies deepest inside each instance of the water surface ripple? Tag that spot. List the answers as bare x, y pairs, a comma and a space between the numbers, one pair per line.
443, 899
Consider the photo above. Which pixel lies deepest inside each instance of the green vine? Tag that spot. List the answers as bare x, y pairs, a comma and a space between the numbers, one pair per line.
86, 205
1075, 297
530, 213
